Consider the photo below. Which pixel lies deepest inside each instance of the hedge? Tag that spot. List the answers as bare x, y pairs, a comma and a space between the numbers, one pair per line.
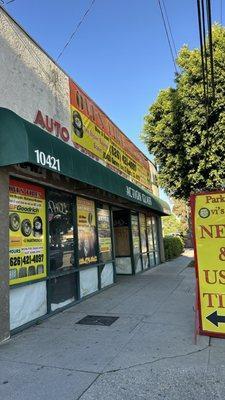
173, 246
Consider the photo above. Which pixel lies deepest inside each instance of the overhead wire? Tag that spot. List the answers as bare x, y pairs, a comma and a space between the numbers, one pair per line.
169, 26
205, 49
209, 20
76, 30
206, 55
7, 2
167, 35
201, 48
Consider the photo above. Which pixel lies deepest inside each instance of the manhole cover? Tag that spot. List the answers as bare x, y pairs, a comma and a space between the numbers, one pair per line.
97, 320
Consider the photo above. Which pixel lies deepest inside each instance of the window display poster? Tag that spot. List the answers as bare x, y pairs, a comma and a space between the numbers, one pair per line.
27, 232
60, 230
87, 240
135, 234
143, 233
104, 234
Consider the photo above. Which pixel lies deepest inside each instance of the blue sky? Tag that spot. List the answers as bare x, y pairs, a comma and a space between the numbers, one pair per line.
120, 55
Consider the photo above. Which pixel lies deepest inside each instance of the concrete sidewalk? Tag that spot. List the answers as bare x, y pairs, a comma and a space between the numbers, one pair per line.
148, 353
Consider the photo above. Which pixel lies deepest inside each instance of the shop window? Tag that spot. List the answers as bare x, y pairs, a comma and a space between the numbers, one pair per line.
136, 243
155, 233
62, 291
150, 234
142, 220
145, 261
156, 239
138, 264
88, 281
104, 234
87, 238
157, 258
135, 234
107, 275
61, 233
121, 233
152, 259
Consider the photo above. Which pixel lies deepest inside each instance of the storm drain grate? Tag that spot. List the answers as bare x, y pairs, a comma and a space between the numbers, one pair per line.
97, 320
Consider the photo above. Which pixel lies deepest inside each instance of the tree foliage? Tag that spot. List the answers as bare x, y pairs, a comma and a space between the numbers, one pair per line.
181, 210
171, 225
185, 133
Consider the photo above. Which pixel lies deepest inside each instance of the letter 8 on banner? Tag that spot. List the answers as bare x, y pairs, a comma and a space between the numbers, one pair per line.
208, 217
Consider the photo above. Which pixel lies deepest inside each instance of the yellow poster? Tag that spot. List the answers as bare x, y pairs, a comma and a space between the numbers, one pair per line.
27, 232
87, 239
209, 231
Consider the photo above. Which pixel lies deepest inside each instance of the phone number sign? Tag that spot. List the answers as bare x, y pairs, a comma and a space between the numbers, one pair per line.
208, 216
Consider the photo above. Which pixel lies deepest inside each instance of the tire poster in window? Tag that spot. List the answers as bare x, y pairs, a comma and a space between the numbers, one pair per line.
27, 232
143, 233
135, 234
104, 235
87, 240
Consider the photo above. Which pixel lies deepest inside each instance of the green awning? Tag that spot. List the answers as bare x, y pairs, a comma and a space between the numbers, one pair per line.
23, 142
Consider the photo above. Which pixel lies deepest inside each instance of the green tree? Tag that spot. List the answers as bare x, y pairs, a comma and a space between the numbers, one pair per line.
171, 225
181, 211
186, 135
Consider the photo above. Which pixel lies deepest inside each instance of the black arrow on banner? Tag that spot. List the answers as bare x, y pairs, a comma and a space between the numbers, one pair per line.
215, 319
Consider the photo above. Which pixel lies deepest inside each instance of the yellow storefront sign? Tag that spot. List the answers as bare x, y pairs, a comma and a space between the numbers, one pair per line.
208, 210
87, 135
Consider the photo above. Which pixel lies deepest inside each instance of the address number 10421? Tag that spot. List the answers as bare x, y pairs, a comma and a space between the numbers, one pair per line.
47, 159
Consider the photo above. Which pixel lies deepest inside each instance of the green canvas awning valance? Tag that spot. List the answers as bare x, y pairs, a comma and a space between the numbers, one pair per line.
21, 142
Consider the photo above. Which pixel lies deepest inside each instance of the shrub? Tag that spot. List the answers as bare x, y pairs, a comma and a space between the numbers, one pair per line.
173, 246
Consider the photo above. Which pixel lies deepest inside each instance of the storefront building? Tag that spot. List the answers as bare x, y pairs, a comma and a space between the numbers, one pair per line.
77, 204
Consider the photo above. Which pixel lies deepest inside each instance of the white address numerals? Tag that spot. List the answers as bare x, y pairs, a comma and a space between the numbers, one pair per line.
46, 159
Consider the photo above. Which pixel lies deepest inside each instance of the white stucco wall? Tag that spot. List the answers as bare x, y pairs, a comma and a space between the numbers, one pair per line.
29, 80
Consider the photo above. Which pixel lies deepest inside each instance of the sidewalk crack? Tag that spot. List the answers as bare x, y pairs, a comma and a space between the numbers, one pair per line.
157, 360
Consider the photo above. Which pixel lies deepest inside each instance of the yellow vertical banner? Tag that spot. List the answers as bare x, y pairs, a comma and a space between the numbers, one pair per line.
208, 216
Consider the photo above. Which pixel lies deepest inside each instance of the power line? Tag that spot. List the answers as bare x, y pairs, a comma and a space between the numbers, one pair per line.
201, 48
169, 26
76, 29
205, 48
5, 4
167, 35
208, 9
